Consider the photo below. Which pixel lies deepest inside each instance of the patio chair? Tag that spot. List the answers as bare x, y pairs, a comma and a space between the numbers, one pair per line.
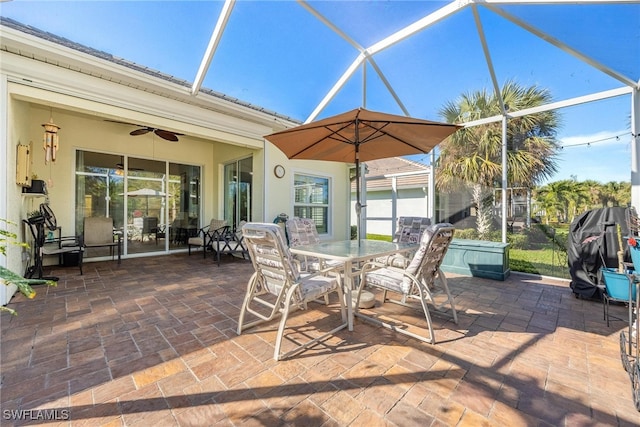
421, 280
230, 242
207, 235
277, 287
409, 229
303, 231
56, 245
98, 232
150, 226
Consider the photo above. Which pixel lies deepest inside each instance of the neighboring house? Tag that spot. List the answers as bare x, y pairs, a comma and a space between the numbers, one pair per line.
220, 167
400, 187
394, 187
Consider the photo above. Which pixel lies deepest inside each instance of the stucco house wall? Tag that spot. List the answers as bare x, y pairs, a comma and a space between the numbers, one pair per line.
41, 79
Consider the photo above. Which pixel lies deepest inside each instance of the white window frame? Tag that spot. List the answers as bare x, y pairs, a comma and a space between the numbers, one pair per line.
326, 206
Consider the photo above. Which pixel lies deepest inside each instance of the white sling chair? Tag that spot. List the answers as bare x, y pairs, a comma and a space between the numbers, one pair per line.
420, 280
277, 287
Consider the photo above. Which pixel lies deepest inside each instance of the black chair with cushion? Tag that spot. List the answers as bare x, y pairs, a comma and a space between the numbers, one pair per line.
150, 227
207, 235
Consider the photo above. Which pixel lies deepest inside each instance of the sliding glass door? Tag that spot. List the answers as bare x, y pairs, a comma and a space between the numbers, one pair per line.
238, 180
183, 213
155, 204
99, 192
146, 200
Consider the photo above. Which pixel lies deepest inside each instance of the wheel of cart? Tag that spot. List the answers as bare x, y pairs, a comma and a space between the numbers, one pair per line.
634, 338
629, 350
624, 353
636, 385
621, 287
633, 368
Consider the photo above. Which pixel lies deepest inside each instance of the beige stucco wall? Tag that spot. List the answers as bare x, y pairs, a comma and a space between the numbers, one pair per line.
280, 196
35, 91
79, 132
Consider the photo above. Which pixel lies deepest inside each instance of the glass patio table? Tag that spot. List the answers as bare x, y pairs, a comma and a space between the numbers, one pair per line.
352, 255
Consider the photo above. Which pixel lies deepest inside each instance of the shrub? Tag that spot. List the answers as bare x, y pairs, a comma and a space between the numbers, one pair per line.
9, 277
467, 233
518, 240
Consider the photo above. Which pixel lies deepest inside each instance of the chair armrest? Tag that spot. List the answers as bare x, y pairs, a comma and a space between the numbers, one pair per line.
218, 232
396, 260
66, 240
373, 265
332, 271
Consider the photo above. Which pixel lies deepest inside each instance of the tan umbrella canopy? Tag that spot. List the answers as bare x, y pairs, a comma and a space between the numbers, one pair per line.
146, 193
361, 135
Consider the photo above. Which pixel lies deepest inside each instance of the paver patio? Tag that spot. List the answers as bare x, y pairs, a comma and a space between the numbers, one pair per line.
153, 342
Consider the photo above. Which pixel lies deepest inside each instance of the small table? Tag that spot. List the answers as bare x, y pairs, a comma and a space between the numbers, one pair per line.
352, 254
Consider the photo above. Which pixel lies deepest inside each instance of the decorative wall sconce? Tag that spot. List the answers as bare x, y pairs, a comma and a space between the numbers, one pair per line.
50, 141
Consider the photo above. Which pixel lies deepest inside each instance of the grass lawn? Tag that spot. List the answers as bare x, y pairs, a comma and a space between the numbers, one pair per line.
545, 262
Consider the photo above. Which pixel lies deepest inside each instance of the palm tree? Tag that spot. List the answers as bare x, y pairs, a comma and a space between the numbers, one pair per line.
615, 194
472, 157
594, 188
562, 199
578, 200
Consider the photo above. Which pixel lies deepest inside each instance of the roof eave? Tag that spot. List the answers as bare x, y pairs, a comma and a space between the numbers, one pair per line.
130, 74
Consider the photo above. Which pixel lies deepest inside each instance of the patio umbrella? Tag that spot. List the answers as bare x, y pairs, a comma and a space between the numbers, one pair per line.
361, 135
146, 193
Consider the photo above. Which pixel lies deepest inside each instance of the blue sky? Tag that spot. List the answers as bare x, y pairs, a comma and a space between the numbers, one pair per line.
277, 55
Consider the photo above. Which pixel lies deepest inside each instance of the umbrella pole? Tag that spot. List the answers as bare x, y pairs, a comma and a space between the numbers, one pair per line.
358, 206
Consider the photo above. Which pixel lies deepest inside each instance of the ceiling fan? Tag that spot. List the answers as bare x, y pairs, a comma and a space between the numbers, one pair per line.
164, 134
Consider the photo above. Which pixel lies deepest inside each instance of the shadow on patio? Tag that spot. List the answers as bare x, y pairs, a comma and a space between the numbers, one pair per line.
153, 341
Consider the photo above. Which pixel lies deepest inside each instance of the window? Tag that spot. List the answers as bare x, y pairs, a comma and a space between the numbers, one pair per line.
311, 200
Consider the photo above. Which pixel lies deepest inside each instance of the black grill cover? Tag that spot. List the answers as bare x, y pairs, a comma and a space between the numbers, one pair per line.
592, 244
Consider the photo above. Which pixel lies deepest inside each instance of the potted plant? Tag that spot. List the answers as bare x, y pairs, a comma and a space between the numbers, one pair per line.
35, 217
7, 276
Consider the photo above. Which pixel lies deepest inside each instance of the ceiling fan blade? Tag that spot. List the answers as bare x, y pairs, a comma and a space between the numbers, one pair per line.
121, 167
122, 123
141, 131
165, 134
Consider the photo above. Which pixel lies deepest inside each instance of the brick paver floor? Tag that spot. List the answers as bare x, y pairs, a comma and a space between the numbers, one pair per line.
153, 342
